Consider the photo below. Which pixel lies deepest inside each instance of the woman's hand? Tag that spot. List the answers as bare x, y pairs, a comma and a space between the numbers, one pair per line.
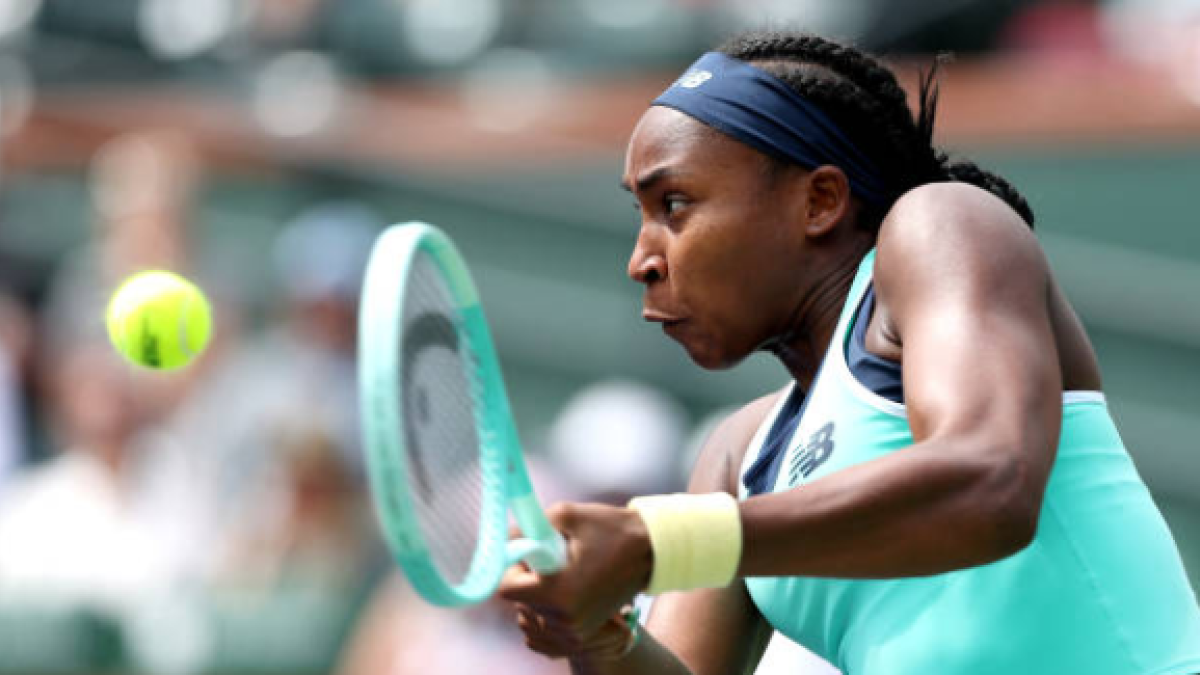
550, 637
608, 562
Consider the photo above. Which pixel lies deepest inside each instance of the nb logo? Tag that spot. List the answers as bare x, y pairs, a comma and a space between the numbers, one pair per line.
694, 78
811, 454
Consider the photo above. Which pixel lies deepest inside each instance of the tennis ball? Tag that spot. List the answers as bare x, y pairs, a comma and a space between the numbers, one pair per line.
159, 320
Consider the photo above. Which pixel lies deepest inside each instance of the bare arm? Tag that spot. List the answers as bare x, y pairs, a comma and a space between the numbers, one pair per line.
701, 632
962, 286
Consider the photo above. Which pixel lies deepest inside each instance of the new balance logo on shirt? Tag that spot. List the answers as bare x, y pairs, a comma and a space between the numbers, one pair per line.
811, 454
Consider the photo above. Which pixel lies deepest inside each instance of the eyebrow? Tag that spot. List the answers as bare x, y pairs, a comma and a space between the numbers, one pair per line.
647, 181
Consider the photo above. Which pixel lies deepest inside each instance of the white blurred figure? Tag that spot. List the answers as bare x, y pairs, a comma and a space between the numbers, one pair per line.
91, 526
617, 439
109, 523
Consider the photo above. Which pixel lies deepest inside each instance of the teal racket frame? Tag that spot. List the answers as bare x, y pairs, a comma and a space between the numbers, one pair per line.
505, 479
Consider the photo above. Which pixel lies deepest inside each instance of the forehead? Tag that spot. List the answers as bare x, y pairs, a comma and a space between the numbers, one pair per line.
666, 138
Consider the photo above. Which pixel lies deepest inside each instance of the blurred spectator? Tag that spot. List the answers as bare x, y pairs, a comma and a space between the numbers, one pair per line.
616, 439
142, 186
97, 524
1058, 28
311, 535
142, 189
1161, 34
278, 418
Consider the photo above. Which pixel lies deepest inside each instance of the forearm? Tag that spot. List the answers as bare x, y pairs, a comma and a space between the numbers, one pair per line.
923, 510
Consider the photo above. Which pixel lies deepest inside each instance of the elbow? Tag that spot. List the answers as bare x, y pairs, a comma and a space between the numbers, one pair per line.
1014, 499
1015, 528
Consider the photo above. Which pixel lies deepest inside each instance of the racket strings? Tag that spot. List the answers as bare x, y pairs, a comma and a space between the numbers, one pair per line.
441, 398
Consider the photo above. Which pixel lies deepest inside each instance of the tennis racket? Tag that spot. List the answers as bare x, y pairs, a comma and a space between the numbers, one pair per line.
443, 457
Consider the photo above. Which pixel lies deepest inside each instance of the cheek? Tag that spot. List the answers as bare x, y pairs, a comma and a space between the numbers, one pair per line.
736, 291
720, 276
724, 323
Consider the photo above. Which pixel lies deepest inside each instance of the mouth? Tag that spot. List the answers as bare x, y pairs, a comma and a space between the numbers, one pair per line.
670, 324
652, 316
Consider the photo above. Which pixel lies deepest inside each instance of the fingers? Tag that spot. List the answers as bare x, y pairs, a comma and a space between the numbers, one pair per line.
597, 579
538, 636
555, 638
521, 584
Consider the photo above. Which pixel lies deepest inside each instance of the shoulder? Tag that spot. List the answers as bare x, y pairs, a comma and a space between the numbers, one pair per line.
943, 215
720, 458
954, 235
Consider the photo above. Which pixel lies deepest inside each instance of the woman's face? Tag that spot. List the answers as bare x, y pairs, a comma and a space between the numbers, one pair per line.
720, 248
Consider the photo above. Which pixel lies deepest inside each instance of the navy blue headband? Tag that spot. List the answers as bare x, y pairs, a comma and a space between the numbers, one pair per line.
762, 111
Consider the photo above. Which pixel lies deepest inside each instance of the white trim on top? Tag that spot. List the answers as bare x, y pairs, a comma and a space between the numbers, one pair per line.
1084, 396
760, 436
838, 347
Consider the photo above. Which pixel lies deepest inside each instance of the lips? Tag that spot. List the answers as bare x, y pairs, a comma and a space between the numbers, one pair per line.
654, 316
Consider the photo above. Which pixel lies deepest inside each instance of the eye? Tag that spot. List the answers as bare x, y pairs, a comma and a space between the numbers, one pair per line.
672, 203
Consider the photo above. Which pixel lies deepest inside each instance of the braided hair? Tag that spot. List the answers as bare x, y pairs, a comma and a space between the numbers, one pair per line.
871, 108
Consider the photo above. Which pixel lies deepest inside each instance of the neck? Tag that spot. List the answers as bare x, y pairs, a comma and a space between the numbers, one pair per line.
802, 344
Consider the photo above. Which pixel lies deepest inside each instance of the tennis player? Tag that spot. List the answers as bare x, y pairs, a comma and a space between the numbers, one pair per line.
941, 489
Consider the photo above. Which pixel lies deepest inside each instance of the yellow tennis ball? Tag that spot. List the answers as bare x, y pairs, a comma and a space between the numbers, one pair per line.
159, 320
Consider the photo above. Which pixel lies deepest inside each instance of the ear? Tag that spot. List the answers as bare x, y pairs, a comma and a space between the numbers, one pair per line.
828, 200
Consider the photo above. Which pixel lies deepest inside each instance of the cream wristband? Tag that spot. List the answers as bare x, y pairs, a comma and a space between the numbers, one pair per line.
696, 539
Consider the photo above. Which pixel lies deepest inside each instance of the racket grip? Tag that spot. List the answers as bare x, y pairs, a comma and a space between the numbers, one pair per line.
550, 556
544, 557
543, 549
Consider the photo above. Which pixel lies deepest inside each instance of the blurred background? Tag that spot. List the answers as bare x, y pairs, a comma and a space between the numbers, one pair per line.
213, 520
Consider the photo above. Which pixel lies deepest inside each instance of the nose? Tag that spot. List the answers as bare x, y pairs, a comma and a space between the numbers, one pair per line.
648, 263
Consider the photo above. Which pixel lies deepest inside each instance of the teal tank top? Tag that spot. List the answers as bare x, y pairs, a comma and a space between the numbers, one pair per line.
1101, 589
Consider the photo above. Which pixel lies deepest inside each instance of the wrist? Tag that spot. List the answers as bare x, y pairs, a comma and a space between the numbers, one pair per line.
695, 540
641, 551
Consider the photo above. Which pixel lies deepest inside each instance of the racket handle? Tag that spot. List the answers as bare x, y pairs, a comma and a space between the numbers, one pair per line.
544, 549
543, 557
550, 556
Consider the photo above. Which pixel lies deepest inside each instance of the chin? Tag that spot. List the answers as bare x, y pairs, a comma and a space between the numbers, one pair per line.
712, 359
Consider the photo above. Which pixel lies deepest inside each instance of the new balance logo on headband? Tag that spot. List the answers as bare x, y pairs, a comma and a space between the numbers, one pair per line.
694, 78
764, 112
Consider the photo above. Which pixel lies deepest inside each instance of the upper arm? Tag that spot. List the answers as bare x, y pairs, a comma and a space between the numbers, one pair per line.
716, 631
963, 287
